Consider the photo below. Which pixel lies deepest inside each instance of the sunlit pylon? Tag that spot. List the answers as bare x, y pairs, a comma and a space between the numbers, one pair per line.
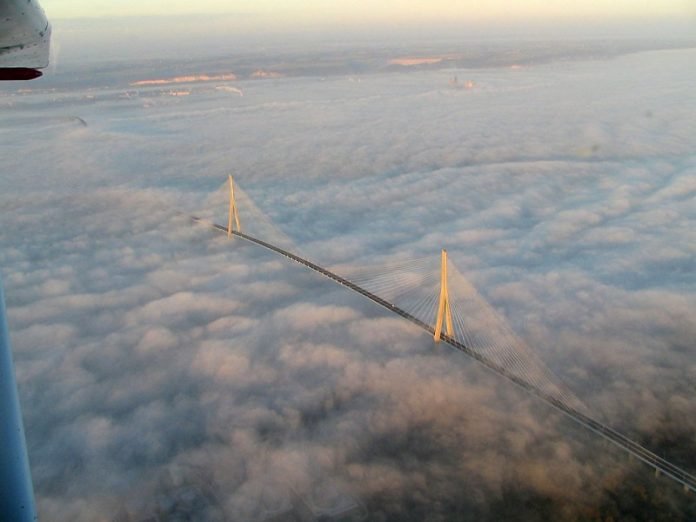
233, 211
443, 310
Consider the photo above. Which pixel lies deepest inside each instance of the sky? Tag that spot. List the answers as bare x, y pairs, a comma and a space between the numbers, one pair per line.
164, 369
298, 11
88, 30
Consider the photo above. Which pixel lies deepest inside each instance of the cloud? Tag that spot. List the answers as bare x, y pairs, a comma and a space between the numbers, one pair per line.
163, 367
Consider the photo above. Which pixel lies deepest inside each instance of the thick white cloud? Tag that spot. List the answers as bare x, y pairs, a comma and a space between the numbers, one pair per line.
154, 355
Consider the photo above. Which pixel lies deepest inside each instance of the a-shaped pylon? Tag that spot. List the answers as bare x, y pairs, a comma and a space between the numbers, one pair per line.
233, 211
443, 310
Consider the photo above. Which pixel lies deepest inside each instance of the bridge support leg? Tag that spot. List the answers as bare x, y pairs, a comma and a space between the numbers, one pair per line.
443, 311
233, 213
657, 472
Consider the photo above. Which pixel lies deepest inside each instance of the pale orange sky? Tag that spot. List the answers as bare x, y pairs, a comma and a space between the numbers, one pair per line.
290, 12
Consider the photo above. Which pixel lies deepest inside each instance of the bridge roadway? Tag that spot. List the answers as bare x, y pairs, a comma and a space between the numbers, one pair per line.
660, 465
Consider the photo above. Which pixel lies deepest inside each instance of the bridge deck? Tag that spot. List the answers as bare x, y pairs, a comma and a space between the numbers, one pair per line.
667, 468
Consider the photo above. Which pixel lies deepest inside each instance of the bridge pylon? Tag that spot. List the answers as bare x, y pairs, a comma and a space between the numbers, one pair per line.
443, 310
233, 213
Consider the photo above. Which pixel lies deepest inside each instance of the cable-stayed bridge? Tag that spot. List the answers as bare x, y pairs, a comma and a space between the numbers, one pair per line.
412, 289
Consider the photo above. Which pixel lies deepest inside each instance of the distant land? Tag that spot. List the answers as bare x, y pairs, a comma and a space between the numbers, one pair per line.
262, 65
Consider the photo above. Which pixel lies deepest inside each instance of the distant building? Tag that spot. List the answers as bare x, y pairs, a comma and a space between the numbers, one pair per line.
455, 84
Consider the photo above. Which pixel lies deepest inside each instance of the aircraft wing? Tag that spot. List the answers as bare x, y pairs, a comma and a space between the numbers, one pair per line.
16, 491
25, 39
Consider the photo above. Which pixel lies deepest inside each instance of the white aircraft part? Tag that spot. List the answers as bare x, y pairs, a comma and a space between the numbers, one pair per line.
25, 34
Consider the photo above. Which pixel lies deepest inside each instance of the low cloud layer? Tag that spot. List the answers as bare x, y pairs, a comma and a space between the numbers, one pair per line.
164, 369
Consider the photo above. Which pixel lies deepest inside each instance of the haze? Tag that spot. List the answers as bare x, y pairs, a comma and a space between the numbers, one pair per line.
167, 371
126, 29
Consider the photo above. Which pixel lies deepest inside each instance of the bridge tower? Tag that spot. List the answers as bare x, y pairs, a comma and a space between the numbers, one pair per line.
233, 211
443, 311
